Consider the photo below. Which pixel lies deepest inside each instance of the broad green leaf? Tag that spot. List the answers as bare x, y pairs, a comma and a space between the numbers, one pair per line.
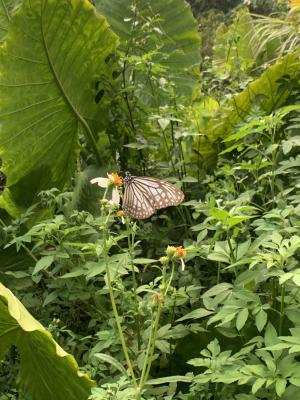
144, 261
73, 274
219, 214
280, 386
199, 313
163, 346
55, 53
43, 264
111, 360
177, 30
271, 337
7, 8
261, 320
238, 219
258, 384
169, 379
277, 347
241, 318
262, 93
220, 288
46, 370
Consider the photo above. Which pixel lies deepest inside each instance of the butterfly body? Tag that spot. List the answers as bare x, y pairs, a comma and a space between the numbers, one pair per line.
144, 195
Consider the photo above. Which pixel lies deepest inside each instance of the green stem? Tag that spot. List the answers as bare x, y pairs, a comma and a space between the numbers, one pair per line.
151, 346
281, 309
274, 292
153, 333
117, 319
233, 258
134, 281
29, 252
113, 302
218, 273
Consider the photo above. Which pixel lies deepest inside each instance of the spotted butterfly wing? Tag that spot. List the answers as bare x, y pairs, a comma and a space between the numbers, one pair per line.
144, 195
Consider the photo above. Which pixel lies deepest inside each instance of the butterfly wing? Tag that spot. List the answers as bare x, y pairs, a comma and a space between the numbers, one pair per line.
160, 193
135, 204
144, 195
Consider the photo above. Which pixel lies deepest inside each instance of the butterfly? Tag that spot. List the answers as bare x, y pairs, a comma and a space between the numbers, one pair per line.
143, 195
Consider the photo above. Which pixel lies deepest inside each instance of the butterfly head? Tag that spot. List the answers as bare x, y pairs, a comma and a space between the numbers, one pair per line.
128, 178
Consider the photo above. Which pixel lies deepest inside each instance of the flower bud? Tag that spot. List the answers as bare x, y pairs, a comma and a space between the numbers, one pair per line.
170, 252
164, 260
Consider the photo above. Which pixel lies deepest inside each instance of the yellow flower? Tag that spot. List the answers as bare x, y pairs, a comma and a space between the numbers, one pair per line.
294, 3
120, 213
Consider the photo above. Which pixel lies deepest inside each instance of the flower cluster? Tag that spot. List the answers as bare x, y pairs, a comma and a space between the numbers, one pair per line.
174, 253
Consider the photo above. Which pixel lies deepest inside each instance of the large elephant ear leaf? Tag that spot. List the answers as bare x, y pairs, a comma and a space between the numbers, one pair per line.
46, 370
51, 68
176, 29
7, 8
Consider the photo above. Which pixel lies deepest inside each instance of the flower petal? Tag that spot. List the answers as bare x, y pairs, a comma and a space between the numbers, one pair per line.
102, 182
182, 264
115, 197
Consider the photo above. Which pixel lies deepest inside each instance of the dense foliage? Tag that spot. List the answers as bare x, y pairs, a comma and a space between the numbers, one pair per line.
200, 301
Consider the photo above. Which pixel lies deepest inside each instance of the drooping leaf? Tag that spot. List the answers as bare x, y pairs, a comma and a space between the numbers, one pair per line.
263, 93
176, 29
46, 370
55, 53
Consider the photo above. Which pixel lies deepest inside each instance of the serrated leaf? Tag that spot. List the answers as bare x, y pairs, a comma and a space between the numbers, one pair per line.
196, 314
73, 274
241, 319
258, 384
144, 261
280, 386
169, 379
220, 288
261, 320
43, 264
277, 347
271, 337
111, 360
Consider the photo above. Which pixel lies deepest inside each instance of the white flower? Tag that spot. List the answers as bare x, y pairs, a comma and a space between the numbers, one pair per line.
112, 180
182, 264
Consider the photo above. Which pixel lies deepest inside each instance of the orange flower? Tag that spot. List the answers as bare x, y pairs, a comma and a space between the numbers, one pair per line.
116, 179
180, 252
294, 3
120, 213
